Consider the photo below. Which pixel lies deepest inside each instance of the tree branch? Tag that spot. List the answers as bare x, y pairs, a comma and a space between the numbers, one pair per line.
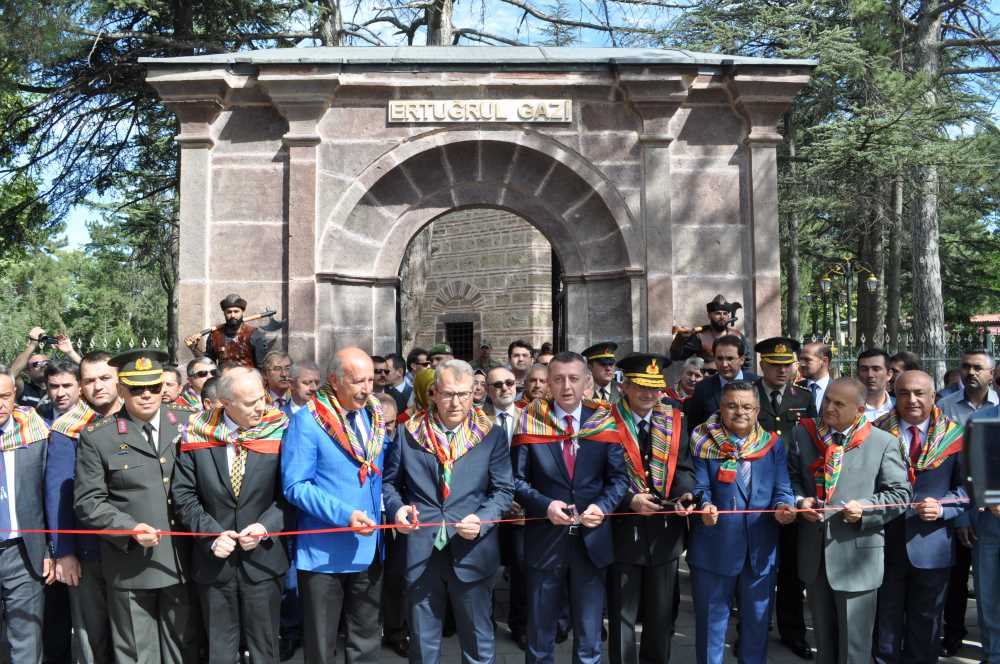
970, 42
970, 70
482, 36
542, 16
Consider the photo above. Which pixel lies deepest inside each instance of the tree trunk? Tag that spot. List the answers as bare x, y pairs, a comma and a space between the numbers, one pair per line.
331, 23
893, 266
440, 31
792, 262
928, 302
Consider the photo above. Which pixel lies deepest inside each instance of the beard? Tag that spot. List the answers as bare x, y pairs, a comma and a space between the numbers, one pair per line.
232, 325
716, 327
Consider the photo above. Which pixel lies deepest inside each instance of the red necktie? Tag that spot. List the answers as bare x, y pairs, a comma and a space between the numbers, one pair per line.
569, 456
914, 445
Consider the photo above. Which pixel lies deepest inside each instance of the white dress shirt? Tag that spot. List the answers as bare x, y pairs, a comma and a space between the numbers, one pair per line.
561, 416
904, 430
8, 467
507, 423
822, 384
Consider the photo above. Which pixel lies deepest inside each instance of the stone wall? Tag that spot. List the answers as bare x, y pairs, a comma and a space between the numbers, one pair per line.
488, 267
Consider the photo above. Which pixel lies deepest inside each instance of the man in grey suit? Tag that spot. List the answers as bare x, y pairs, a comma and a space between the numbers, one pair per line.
24, 561
841, 461
453, 466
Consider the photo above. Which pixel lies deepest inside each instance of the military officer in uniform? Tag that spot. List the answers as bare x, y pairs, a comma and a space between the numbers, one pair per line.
601, 361
123, 469
782, 405
234, 340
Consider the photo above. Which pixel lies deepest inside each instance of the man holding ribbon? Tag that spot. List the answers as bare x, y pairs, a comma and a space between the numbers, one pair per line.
451, 466
642, 584
228, 481
738, 467
569, 472
919, 547
331, 466
850, 480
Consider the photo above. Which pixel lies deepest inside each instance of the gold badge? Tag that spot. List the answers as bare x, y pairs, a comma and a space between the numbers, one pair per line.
781, 349
653, 368
143, 364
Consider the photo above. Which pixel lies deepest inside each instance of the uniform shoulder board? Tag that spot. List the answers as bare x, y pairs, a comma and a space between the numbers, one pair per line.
181, 409
99, 424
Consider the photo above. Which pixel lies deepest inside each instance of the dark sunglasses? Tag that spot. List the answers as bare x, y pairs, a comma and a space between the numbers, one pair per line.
710, 372
500, 384
204, 374
382, 371
425, 363
139, 390
38, 364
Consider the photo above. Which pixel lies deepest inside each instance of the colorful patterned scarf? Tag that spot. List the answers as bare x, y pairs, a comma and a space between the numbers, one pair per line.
944, 438
711, 441
826, 468
432, 438
538, 424
332, 417
189, 398
24, 427
208, 429
270, 400
72, 422
677, 393
665, 438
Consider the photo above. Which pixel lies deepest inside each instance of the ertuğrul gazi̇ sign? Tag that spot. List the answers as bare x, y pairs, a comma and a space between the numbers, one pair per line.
480, 110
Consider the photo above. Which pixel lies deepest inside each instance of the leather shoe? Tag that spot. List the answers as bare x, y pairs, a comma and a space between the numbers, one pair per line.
800, 648
950, 649
399, 646
287, 648
561, 635
521, 640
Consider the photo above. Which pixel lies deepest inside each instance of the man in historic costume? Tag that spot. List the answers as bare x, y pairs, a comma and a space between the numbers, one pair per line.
737, 466
721, 315
123, 468
331, 468
199, 371
25, 565
919, 546
234, 340
228, 481
451, 465
569, 472
643, 579
77, 557
840, 461
782, 405
601, 361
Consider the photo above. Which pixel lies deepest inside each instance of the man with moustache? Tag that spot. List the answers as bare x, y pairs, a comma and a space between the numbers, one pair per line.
78, 557
601, 361
840, 461
331, 469
729, 359
643, 579
234, 340
305, 377
519, 361
568, 473
536, 385
277, 373
720, 316
814, 370
171, 385
451, 465
199, 370
124, 464
62, 387
873, 371
227, 481
919, 546
25, 565
692, 373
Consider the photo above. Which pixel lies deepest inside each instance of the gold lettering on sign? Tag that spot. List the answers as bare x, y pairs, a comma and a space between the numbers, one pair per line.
450, 111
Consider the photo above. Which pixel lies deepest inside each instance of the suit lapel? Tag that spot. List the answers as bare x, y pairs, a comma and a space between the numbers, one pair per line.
219, 457
557, 458
136, 437
253, 459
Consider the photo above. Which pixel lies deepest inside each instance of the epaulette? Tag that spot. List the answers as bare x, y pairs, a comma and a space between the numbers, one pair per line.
181, 409
103, 422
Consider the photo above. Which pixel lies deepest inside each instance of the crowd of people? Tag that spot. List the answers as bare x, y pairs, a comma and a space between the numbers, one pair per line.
253, 503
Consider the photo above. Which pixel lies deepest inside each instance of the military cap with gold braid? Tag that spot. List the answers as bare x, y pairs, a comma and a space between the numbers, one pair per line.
778, 350
603, 352
140, 367
645, 370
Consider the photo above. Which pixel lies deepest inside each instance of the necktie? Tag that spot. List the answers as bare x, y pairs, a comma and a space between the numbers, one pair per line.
775, 400
814, 388
4, 503
504, 417
147, 428
569, 456
238, 469
742, 472
441, 538
352, 421
644, 436
838, 438
915, 445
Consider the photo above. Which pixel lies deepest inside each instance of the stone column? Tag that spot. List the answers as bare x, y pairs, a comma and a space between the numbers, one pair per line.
302, 99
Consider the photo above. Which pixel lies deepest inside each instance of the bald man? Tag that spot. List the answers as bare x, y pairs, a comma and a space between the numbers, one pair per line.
919, 547
331, 466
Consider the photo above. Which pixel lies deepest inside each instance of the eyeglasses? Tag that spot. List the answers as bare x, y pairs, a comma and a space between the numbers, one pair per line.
425, 363
710, 372
382, 371
139, 390
203, 374
500, 384
39, 364
453, 396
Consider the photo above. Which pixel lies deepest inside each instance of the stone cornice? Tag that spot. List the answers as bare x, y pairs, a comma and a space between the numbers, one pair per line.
761, 98
355, 279
655, 95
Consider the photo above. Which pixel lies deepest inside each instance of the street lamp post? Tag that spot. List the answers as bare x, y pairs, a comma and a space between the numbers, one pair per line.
846, 269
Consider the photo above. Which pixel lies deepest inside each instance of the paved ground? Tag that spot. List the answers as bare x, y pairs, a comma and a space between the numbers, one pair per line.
683, 642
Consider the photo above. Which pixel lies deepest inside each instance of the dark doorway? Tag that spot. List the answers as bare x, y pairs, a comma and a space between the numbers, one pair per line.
459, 337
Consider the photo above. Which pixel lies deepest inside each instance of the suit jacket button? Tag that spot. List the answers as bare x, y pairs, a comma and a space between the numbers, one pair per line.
125, 467
166, 479
163, 459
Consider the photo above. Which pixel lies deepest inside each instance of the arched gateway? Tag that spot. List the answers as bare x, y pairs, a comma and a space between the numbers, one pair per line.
305, 173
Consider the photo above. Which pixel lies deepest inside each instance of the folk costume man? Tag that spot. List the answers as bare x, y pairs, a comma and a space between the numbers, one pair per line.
25, 565
919, 546
782, 405
78, 557
123, 468
228, 480
643, 579
720, 323
857, 472
568, 472
452, 465
331, 467
601, 361
234, 340
737, 466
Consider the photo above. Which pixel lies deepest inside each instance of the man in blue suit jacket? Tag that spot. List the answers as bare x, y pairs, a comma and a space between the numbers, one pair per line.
919, 548
737, 466
565, 465
331, 461
729, 359
451, 465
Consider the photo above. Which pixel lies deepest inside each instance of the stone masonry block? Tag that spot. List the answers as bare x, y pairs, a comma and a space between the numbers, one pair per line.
248, 194
237, 246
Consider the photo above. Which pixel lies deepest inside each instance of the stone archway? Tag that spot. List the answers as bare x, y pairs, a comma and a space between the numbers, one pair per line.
587, 223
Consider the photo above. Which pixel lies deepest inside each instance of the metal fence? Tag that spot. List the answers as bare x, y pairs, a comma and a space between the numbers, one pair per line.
11, 347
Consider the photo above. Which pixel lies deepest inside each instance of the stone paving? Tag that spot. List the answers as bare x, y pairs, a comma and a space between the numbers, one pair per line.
683, 642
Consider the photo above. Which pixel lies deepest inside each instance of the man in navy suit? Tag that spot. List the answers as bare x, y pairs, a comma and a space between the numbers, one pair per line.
451, 466
729, 360
737, 466
919, 548
569, 471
